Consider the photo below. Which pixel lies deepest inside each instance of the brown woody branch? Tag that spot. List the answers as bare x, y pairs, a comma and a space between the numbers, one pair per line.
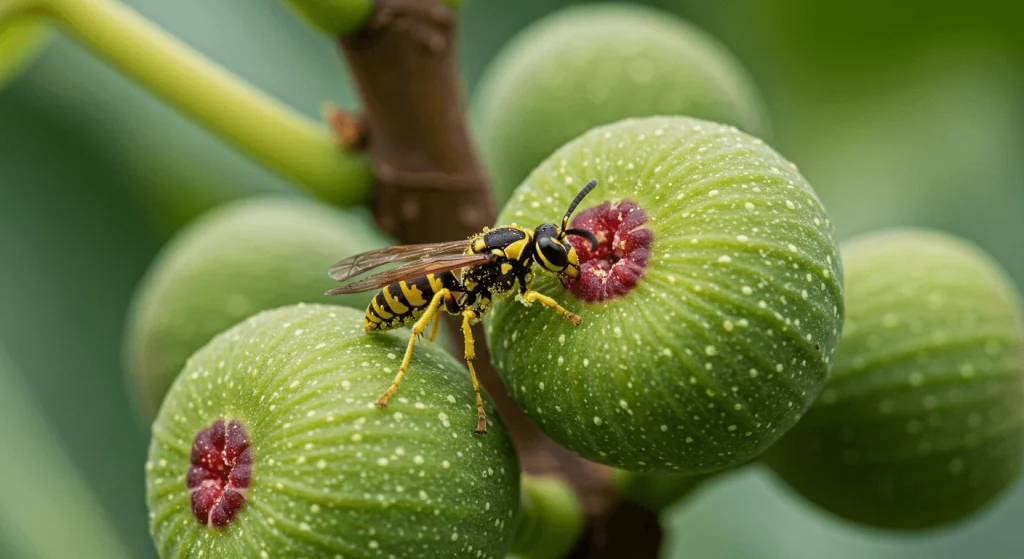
431, 187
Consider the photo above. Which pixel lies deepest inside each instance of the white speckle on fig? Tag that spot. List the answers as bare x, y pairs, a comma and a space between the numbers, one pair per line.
920, 424
720, 305
635, 62
328, 474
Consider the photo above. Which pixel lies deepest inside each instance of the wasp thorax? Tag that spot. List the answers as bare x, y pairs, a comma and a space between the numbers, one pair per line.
617, 263
290, 458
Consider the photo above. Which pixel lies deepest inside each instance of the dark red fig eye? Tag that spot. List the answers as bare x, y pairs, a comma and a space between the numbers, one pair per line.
220, 473
614, 267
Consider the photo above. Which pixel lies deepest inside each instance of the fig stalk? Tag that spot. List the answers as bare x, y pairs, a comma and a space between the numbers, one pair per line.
552, 519
431, 187
277, 136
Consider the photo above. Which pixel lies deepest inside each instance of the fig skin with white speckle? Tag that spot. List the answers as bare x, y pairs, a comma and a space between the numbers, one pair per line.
728, 335
329, 473
585, 66
921, 423
232, 262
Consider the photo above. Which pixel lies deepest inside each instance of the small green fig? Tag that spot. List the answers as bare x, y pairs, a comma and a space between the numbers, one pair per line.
337, 18
922, 422
269, 445
711, 305
591, 65
20, 41
657, 491
236, 260
552, 519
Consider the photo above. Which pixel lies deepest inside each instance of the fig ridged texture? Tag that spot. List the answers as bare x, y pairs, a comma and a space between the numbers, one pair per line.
921, 422
332, 475
591, 65
232, 262
727, 338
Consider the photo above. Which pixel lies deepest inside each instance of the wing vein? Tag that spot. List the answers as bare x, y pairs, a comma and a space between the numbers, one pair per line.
364, 262
415, 269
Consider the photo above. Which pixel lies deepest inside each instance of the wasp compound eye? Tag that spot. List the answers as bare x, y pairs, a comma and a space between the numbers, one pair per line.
553, 253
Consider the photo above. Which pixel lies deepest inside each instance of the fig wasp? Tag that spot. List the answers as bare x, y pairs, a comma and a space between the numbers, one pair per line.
461, 278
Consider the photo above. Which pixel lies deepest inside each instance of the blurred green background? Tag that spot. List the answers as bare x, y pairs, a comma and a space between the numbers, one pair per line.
897, 114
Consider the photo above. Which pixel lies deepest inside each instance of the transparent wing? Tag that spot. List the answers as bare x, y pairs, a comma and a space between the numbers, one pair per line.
412, 270
361, 263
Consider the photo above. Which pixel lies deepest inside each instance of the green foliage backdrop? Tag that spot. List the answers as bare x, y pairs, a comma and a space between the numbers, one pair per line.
895, 117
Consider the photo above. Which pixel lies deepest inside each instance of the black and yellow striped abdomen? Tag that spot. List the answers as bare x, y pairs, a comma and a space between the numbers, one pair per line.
402, 302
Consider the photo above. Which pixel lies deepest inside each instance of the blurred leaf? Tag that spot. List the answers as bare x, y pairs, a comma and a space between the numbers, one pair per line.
46, 510
868, 35
174, 167
937, 144
72, 247
753, 515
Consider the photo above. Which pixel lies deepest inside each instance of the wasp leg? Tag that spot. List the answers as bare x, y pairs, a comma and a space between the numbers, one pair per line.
433, 329
467, 334
531, 296
417, 329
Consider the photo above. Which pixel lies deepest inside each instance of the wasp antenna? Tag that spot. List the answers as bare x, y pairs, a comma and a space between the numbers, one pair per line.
584, 233
576, 201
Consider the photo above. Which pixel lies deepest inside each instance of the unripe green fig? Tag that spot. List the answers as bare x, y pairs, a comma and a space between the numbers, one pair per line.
711, 305
236, 260
269, 445
21, 39
657, 491
333, 17
339, 18
586, 66
921, 423
552, 519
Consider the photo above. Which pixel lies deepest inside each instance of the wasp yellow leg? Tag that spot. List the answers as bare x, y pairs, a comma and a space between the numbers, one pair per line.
433, 329
467, 334
532, 296
417, 329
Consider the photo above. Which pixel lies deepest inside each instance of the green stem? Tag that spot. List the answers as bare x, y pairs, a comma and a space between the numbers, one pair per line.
552, 519
296, 146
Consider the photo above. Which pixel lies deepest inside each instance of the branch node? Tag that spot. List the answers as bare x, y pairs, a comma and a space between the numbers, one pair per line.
350, 130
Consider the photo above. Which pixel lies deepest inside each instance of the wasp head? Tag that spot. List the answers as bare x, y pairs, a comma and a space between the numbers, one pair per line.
552, 251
